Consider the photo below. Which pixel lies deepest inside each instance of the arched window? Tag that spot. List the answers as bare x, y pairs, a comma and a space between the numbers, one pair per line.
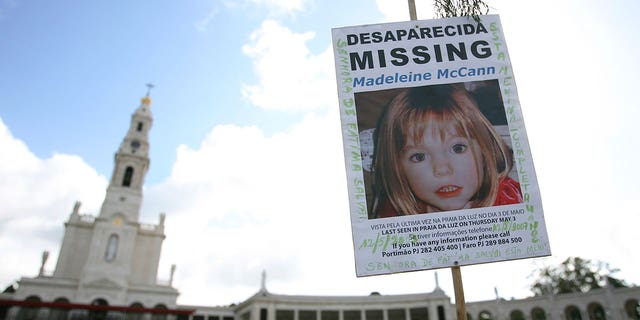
59, 313
596, 312
440, 313
128, 175
159, 315
485, 315
29, 313
572, 313
516, 315
538, 314
112, 248
632, 308
133, 315
139, 128
98, 314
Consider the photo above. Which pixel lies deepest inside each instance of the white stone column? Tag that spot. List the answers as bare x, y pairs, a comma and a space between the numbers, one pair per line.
584, 313
271, 312
43, 314
12, 313
432, 309
254, 312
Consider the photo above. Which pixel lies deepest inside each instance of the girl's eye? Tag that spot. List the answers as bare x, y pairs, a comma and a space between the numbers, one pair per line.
459, 148
417, 157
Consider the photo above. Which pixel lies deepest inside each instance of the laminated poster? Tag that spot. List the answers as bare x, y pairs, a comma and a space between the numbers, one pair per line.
438, 163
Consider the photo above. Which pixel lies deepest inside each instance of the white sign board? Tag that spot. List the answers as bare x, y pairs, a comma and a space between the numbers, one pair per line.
438, 163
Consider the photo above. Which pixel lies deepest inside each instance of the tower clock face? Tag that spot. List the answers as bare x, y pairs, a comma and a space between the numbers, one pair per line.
135, 144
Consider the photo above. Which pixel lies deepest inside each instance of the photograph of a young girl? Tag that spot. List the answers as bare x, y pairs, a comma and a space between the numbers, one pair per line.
435, 148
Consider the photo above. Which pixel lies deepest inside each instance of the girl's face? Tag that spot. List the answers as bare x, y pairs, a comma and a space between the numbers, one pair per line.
441, 169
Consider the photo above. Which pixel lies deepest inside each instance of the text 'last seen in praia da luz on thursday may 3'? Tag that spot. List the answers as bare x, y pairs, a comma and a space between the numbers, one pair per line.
439, 168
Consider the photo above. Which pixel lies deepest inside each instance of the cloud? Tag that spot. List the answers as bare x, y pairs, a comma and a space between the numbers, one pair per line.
258, 213
282, 6
250, 202
271, 8
244, 201
37, 196
394, 10
203, 23
290, 77
577, 118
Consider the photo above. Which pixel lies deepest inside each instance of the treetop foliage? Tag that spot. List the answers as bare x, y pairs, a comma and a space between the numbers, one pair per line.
574, 275
460, 8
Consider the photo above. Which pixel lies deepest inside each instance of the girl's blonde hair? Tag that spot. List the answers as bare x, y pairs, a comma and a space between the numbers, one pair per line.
408, 117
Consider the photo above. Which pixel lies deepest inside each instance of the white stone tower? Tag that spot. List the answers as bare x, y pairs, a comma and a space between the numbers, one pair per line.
112, 258
124, 194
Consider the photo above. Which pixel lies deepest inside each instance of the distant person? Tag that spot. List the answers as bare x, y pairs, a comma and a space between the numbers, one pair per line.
435, 151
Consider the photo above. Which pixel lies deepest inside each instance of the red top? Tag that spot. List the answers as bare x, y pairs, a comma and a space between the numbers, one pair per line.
508, 193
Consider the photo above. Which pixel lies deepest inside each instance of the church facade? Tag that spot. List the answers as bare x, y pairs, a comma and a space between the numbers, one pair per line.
110, 259
108, 264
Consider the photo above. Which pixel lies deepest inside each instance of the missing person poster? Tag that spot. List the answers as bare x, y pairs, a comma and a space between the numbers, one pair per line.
438, 163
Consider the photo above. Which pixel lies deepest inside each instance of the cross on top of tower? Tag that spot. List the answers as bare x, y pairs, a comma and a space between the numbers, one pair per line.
149, 86
146, 100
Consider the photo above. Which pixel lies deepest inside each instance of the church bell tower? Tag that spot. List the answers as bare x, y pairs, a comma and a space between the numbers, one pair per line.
124, 194
112, 257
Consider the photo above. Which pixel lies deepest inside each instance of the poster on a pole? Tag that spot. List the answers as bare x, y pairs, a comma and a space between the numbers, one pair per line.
439, 169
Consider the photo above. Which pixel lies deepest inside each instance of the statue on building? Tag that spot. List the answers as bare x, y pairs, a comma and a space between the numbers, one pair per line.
173, 271
76, 207
45, 256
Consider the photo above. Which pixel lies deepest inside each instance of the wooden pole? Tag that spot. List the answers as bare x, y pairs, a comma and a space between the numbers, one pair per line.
461, 309
412, 10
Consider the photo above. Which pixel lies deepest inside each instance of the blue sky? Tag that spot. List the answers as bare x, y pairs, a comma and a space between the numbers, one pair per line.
78, 65
246, 135
83, 68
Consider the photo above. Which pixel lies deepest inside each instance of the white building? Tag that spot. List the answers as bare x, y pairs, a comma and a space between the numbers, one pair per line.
110, 259
107, 269
608, 303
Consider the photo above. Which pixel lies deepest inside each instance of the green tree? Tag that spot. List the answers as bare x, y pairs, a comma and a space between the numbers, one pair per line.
459, 8
10, 289
575, 274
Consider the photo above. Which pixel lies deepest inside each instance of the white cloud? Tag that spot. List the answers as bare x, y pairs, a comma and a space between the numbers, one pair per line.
37, 196
258, 217
577, 107
203, 23
249, 202
282, 6
243, 202
272, 8
394, 10
290, 77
